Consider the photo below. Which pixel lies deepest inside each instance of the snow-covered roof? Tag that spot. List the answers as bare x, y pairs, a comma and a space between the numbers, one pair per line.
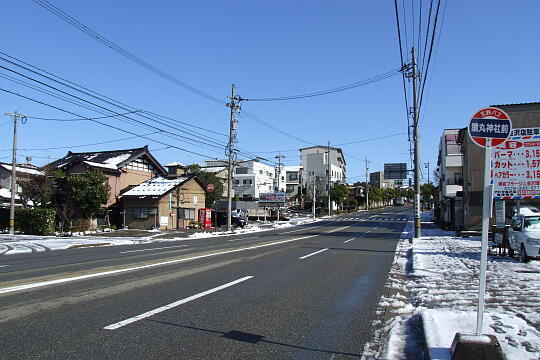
103, 166
156, 187
30, 170
214, 169
6, 194
176, 163
112, 160
291, 168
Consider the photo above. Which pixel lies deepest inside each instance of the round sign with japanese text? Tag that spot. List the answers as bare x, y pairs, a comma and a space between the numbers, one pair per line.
490, 127
210, 187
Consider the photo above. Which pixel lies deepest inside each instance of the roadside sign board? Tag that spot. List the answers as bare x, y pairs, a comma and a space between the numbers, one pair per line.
395, 171
210, 187
515, 166
491, 124
274, 199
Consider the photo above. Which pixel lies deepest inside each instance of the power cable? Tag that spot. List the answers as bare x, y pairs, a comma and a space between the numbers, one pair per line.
102, 39
211, 143
368, 81
101, 123
80, 119
78, 146
70, 84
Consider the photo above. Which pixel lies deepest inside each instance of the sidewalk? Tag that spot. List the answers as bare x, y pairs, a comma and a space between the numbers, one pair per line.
433, 293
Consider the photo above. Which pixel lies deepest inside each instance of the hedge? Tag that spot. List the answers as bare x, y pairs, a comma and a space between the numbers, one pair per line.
30, 221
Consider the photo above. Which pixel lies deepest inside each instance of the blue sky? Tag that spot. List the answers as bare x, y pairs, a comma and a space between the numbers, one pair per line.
487, 53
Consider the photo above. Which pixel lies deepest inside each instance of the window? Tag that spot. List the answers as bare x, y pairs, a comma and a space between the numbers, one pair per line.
292, 176
143, 212
242, 170
260, 172
236, 182
290, 188
186, 213
247, 182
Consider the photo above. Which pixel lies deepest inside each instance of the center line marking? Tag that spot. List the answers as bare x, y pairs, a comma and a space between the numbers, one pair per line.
313, 253
151, 249
161, 263
346, 241
174, 304
1, 266
254, 237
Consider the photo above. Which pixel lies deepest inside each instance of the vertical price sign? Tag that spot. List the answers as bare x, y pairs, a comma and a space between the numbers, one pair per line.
489, 127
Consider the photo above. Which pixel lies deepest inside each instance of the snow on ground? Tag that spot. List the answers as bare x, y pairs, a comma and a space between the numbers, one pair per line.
434, 282
22, 244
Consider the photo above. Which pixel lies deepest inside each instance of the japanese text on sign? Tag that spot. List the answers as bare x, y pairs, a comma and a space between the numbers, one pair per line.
516, 166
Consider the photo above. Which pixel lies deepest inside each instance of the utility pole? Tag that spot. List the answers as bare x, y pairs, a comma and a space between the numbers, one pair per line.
279, 157
16, 116
329, 178
367, 185
230, 152
427, 166
416, 138
313, 199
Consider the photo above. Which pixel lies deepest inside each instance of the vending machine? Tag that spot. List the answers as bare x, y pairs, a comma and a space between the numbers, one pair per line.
205, 217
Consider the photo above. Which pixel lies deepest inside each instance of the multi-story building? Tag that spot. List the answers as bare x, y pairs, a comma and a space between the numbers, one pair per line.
292, 181
450, 162
251, 177
315, 163
377, 180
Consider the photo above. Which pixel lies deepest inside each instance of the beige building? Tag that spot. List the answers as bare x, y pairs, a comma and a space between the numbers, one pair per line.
523, 116
123, 168
161, 203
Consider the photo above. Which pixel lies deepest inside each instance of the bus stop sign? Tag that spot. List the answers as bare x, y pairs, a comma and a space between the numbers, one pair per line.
491, 124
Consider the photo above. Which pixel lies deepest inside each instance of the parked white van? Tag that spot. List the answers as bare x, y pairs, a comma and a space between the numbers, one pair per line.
524, 237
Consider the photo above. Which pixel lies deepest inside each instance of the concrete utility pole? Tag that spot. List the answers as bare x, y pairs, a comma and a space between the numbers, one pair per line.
329, 178
16, 116
230, 152
417, 229
279, 157
367, 185
427, 166
313, 199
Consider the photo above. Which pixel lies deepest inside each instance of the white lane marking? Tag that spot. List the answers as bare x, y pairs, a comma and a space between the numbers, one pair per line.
104, 273
151, 249
346, 241
250, 238
313, 253
174, 304
374, 228
367, 232
290, 232
1, 266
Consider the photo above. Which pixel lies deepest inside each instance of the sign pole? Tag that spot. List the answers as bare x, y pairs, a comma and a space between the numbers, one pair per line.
486, 214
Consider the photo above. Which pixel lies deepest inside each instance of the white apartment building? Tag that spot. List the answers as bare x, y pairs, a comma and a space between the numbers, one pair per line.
292, 181
314, 161
250, 178
450, 164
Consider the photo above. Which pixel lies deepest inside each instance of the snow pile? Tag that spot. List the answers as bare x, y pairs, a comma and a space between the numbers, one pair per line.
434, 282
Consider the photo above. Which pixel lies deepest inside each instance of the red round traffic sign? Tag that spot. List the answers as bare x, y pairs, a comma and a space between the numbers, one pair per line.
490, 127
210, 187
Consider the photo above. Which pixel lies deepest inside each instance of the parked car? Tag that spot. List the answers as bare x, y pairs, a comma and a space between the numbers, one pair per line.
236, 220
524, 237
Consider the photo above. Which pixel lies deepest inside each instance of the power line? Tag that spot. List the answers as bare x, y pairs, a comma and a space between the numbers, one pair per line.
368, 81
81, 119
101, 123
211, 143
84, 145
366, 140
89, 92
102, 39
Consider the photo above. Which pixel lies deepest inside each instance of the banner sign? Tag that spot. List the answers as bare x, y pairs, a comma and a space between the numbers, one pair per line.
272, 199
515, 166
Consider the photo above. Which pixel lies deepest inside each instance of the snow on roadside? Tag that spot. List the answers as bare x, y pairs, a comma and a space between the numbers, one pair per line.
435, 279
25, 244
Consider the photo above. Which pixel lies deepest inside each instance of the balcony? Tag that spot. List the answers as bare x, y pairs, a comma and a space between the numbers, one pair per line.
451, 190
453, 160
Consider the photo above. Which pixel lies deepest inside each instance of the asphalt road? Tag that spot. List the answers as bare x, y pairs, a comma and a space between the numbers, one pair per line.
307, 292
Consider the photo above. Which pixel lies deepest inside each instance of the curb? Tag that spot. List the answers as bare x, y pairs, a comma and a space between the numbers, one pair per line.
78, 246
